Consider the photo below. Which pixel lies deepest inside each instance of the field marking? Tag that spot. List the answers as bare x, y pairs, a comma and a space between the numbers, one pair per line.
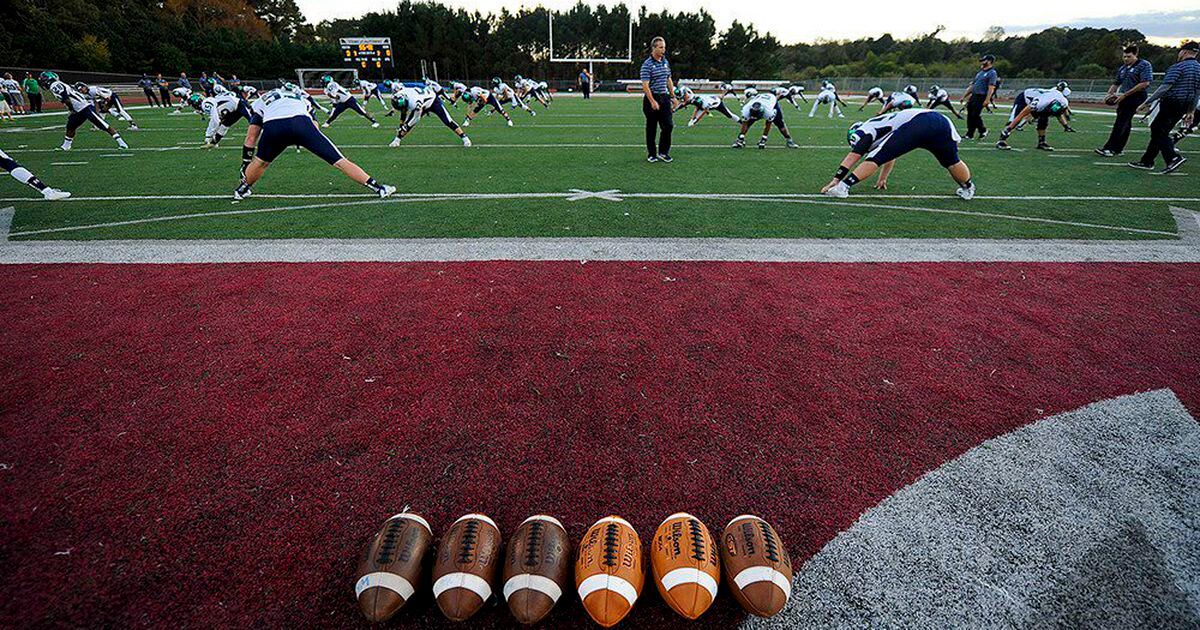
67, 163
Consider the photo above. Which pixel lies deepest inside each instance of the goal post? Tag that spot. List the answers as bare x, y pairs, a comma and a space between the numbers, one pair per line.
310, 78
591, 61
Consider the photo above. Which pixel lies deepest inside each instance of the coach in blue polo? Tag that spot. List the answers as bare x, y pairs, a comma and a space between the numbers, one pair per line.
1128, 92
658, 101
1176, 98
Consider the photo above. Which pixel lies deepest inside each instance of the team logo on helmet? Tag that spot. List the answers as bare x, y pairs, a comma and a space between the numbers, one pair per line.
326, 79
496, 81
853, 135
81, 86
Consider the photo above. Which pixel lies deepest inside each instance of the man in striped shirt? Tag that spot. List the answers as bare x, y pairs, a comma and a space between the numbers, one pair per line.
658, 101
1176, 98
1133, 77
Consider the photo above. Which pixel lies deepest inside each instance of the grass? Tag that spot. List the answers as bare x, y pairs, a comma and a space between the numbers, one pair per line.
591, 146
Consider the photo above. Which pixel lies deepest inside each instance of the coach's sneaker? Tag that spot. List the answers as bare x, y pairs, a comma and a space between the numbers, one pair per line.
241, 192
966, 192
466, 142
652, 159
54, 194
394, 143
791, 144
665, 157
1141, 166
1042, 146
1173, 165
1105, 153
840, 190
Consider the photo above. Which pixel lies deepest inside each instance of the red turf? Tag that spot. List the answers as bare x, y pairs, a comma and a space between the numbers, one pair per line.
213, 445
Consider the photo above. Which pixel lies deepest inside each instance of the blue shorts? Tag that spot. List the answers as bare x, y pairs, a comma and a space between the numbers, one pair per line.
299, 131
242, 111
87, 114
930, 131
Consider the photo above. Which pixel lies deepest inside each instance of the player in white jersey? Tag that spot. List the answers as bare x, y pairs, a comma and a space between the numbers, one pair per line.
543, 88
223, 111
342, 100
727, 90
505, 94
280, 119
880, 141
457, 91
22, 174
478, 98
371, 91
764, 107
684, 96
528, 88
182, 96
787, 93
704, 103
105, 100
1039, 105
901, 100
874, 94
79, 110
828, 95
938, 97
413, 103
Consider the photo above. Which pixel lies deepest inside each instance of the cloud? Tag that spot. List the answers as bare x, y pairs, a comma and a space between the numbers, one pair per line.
1171, 24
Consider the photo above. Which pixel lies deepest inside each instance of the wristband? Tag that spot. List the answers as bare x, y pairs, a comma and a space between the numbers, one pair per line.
841, 173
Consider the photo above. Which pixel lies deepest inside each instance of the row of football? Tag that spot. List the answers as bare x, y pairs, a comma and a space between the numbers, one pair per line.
686, 563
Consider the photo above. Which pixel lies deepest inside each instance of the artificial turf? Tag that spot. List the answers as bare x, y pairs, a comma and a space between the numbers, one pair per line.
590, 145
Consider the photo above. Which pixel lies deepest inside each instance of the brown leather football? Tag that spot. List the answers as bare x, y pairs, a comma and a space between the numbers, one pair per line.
537, 568
390, 571
609, 573
683, 557
466, 566
756, 565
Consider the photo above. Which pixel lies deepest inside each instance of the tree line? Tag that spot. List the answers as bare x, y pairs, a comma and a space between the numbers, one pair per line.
270, 38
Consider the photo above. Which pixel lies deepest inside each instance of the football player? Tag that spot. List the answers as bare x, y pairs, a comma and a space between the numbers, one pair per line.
1039, 105
342, 100
105, 99
704, 104
527, 88
280, 118
763, 107
79, 110
900, 101
828, 95
788, 93
22, 174
413, 103
480, 98
371, 90
505, 94
683, 97
457, 91
182, 97
223, 111
880, 141
873, 94
728, 90
939, 97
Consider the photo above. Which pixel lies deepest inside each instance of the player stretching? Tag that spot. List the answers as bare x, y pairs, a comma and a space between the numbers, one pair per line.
880, 141
457, 91
413, 103
939, 97
105, 100
787, 93
873, 94
900, 101
22, 174
704, 104
371, 91
763, 107
343, 100
828, 95
1037, 104
482, 98
280, 120
505, 94
223, 111
79, 110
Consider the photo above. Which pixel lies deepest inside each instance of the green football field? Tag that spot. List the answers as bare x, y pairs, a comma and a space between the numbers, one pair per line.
578, 169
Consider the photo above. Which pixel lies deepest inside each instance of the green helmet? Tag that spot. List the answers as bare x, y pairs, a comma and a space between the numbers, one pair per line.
400, 101
757, 110
326, 79
1056, 108
195, 99
519, 78
48, 76
853, 132
496, 81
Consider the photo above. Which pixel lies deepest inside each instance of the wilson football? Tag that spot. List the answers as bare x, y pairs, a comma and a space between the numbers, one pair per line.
756, 565
466, 566
537, 568
683, 558
608, 572
390, 571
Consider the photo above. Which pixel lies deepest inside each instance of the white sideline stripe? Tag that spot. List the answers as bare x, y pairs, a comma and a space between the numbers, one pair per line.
532, 582
690, 576
754, 575
480, 517
467, 581
415, 518
613, 519
605, 582
543, 517
67, 163
383, 579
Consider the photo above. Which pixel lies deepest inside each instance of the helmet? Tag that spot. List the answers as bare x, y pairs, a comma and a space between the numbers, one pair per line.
400, 101
850, 135
751, 92
467, 96
249, 90
1056, 108
519, 78
1062, 85
48, 76
679, 91
326, 79
911, 90
195, 99
933, 89
496, 81
81, 86
757, 110
291, 87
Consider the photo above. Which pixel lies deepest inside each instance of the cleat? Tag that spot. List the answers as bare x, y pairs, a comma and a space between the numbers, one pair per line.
791, 144
324, 125
983, 135
54, 194
841, 191
967, 193
1069, 129
239, 195
532, 113
762, 144
1003, 146
386, 190
663, 157
467, 122
122, 145
374, 125
1042, 146
395, 142
466, 142
1173, 165
739, 144
133, 127
1105, 153
510, 122
691, 123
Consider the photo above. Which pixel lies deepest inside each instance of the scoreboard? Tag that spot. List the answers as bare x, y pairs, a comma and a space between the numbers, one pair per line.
367, 52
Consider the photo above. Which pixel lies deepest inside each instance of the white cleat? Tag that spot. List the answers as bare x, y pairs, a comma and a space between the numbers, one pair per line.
532, 113
375, 125
133, 127
324, 125
691, 123
466, 142
841, 191
65, 147
238, 195
386, 190
467, 122
395, 142
967, 193
121, 144
510, 123
54, 194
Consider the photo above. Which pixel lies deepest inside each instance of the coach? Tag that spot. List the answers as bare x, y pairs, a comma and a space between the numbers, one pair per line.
981, 92
1133, 77
658, 103
1176, 99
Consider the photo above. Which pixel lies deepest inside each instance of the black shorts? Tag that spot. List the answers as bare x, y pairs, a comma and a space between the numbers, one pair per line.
87, 114
930, 131
242, 111
297, 131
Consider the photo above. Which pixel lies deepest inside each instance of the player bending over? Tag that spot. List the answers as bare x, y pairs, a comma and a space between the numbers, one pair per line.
506, 94
528, 88
704, 104
785, 93
828, 95
105, 99
280, 119
482, 98
1037, 104
880, 141
79, 110
874, 94
941, 98
223, 111
763, 107
900, 101
371, 91
22, 174
342, 100
412, 104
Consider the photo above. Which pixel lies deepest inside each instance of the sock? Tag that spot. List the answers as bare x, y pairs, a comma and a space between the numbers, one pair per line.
850, 180
23, 175
243, 187
741, 137
373, 185
67, 142
247, 155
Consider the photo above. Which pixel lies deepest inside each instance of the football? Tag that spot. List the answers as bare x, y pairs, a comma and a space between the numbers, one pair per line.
683, 558
757, 567
390, 571
608, 573
537, 568
466, 565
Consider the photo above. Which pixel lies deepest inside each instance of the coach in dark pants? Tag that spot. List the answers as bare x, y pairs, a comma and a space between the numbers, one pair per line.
1176, 99
658, 103
1133, 77
980, 94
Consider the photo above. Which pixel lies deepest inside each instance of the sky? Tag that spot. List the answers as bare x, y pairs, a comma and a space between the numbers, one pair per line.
794, 21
